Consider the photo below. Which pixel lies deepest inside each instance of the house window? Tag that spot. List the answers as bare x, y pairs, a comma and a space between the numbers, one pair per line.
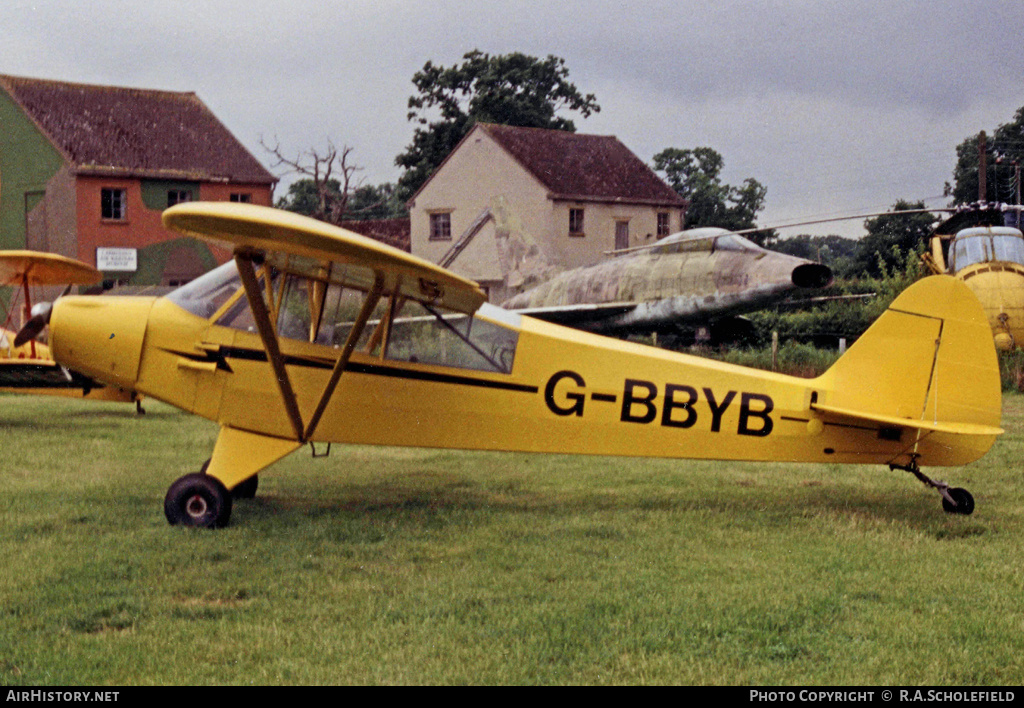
441, 226
177, 196
575, 222
241, 197
113, 204
663, 227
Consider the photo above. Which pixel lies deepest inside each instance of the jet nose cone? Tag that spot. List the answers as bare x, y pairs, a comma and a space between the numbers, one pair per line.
812, 275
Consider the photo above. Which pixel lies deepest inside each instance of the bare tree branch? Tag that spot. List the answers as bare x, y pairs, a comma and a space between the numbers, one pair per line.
322, 168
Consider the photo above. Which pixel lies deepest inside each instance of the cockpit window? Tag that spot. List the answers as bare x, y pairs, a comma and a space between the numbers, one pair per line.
970, 250
985, 247
205, 295
426, 335
1008, 248
684, 246
734, 242
318, 312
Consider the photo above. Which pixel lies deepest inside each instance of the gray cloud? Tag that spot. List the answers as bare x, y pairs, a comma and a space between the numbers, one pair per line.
832, 105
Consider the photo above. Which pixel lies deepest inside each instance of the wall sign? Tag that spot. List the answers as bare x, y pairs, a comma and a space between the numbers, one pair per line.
126, 259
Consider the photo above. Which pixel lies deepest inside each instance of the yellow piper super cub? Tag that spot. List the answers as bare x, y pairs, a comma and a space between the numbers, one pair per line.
315, 334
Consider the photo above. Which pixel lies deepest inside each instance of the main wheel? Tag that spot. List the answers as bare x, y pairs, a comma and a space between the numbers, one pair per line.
246, 489
964, 502
198, 500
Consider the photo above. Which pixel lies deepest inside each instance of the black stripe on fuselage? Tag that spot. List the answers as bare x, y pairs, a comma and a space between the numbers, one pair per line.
376, 370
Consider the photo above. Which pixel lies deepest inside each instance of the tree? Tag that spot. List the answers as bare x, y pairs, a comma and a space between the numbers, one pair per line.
1004, 149
892, 237
695, 175
319, 194
837, 252
510, 89
376, 202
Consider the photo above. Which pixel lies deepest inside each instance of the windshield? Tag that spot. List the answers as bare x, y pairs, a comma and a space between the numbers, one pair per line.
204, 295
1009, 248
312, 310
983, 245
733, 242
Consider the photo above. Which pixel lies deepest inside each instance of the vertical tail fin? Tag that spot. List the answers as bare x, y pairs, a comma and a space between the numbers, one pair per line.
928, 360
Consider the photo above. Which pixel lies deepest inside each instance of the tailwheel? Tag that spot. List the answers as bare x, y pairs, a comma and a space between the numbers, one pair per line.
246, 489
955, 500
962, 501
198, 500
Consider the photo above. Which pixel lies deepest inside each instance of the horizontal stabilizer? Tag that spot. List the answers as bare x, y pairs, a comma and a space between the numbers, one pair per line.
889, 421
928, 364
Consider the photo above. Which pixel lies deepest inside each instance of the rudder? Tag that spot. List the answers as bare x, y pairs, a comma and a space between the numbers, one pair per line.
929, 357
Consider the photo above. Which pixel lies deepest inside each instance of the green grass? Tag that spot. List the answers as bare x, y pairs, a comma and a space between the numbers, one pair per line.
399, 566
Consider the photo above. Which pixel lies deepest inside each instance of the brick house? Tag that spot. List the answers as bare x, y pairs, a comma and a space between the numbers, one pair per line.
85, 171
560, 198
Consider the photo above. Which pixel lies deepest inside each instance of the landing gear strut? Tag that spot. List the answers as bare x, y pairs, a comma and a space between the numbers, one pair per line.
955, 500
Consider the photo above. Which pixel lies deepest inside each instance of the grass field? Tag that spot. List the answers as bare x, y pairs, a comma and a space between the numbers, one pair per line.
399, 566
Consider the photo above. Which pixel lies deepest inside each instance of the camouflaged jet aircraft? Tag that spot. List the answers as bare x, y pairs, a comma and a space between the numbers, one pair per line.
698, 278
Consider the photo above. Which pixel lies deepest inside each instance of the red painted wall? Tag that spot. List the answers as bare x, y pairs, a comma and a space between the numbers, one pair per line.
142, 226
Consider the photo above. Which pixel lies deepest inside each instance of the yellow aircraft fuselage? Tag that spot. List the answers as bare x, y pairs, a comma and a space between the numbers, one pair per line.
568, 392
315, 334
29, 368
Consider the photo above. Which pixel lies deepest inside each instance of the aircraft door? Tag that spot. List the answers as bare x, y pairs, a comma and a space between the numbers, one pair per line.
212, 374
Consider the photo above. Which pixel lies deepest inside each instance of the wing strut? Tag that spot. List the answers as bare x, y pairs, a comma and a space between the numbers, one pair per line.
266, 330
346, 352
269, 337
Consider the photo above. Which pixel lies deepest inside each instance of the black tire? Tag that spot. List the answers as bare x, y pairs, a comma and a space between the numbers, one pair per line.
198, 500
246, 489
964, 502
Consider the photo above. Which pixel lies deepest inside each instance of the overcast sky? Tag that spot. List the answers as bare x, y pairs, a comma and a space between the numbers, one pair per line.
837, 108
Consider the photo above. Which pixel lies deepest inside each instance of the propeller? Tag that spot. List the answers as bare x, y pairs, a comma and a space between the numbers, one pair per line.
35, 324
41, 312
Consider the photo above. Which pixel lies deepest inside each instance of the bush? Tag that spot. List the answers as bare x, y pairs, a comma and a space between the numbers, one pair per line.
794, 358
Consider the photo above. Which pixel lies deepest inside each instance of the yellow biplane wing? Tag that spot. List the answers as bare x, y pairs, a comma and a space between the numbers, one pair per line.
29, 368
18, 268
281, 235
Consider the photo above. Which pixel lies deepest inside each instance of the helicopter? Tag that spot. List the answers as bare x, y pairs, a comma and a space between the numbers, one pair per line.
979, 245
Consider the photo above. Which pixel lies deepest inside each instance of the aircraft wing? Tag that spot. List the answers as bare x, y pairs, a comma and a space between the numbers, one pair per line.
280, 235
44, 269
578, 315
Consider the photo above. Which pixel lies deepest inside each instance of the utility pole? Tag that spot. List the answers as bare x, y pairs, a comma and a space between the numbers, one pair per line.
1016, 181
982, 167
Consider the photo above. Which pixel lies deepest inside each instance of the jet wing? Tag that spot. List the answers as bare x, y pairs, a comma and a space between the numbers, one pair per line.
279, 235
44, 269
578, 315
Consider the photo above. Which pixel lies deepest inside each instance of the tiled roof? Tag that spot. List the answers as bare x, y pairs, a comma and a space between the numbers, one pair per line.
394, 232
135, 132
584, 167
